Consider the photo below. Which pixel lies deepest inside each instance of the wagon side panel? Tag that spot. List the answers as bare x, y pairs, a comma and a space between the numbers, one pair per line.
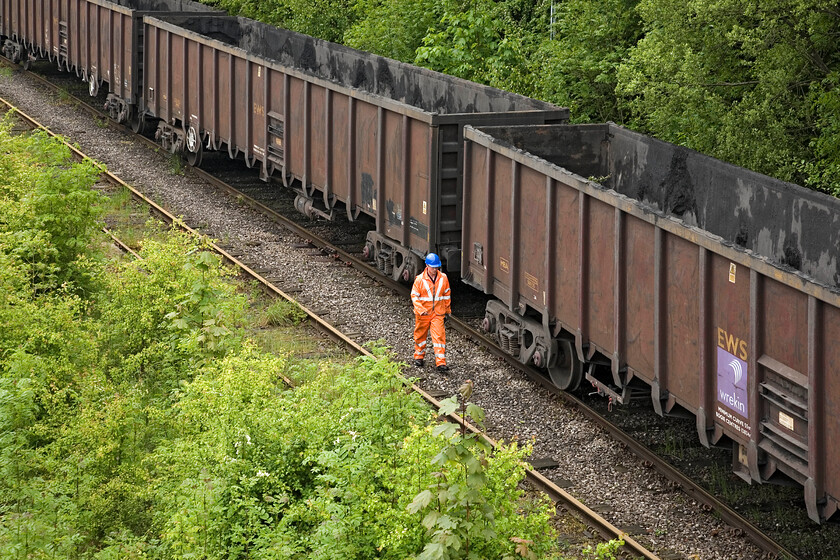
57, 31
733, 376
394, 174
255, 111
825, 366
639, 269
318, 130
100, 24
209, 88
367, 145
499, 265
222, 101
238, 104
340, 146
479, 208
598, 257
781, 375
566, 280
296, 126
418, 178
678, 315
531, 235
193, 94
6, 18
178, 73
27, 22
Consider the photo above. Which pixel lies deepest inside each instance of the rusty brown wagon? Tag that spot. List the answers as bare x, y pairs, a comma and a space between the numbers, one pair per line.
359, 132
647, 268
100, 41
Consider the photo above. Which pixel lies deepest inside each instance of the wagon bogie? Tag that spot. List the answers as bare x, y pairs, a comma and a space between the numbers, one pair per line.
526, 338
709, 288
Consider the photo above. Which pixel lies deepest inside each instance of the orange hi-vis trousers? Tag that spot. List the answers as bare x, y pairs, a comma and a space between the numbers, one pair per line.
422, 323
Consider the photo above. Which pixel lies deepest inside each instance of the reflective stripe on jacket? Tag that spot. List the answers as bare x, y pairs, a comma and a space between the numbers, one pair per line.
431, 296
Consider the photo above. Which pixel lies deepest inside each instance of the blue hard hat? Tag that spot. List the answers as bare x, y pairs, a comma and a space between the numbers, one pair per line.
433, 260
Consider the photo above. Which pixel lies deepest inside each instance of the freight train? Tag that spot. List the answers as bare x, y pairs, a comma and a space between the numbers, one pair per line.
638, 266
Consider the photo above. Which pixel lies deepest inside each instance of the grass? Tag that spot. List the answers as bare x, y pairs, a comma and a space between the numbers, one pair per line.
276, 326
176, 164
129, 220
281, 313
673, 445
65, 97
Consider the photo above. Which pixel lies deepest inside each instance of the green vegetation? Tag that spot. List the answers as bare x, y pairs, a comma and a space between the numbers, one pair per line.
176, 164
603, 551
137, 419
281, 312
755, 83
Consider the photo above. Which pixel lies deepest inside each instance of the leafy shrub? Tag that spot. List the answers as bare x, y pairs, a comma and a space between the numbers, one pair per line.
48, 212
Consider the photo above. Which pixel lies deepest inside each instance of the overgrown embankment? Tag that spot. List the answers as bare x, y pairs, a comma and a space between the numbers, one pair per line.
139, 420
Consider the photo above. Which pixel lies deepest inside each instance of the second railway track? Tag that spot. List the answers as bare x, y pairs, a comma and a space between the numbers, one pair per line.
485, 365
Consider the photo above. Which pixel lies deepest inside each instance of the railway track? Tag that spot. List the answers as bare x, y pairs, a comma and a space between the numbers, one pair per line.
560, 496
689, 487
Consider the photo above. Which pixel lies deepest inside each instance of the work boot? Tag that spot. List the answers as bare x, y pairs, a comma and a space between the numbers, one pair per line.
419, 363
443, 369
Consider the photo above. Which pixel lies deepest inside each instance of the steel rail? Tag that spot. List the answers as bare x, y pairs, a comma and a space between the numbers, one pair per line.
604, 527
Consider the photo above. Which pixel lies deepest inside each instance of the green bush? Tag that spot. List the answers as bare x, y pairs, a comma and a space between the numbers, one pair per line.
48, 212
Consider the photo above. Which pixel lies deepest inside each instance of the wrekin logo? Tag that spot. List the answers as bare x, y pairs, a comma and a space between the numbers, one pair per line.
736, 369
732, 382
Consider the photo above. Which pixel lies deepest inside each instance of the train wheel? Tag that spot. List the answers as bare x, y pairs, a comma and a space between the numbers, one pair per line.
194, 158
195, 149
567, 371
139, 125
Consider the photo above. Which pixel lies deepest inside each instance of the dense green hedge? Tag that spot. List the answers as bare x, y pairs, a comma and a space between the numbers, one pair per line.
756, 83
138, 421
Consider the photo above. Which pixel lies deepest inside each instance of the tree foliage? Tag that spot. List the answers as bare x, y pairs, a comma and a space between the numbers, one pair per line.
753, 83
577, 65
477, 41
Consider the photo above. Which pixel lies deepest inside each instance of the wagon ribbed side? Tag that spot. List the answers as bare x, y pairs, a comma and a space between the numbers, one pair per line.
652, 269
357, 133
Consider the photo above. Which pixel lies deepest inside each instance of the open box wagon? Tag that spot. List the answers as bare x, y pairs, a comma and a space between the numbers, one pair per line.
359, 132
650, 269
100, 41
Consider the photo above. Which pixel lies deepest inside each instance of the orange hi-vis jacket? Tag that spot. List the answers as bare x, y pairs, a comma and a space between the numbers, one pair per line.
431, 297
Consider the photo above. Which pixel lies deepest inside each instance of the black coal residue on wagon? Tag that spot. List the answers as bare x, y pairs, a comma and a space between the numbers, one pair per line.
424, 89
789, 225
166, 6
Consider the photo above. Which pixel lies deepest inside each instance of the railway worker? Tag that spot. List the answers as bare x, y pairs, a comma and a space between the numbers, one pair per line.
431, 299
